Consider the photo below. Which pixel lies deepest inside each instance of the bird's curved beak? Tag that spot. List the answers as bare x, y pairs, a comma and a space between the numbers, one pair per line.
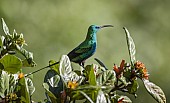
103, 26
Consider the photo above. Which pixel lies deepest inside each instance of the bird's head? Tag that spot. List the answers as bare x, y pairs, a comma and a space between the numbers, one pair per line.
95, 28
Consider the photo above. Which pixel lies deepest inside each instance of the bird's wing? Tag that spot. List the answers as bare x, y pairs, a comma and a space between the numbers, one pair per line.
83, 48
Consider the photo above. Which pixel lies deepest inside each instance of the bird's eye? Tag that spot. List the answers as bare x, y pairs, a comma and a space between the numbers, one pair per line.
97, 27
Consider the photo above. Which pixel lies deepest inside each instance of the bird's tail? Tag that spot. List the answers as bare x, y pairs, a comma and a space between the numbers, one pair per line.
42, 69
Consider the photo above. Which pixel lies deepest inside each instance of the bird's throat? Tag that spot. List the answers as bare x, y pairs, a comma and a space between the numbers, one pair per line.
91, 37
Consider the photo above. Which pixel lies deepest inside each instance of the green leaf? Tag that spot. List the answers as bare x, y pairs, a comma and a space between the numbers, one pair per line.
131, 46
155, 91
86, 96
5, 27
55, 84
101, 97
23, 91
91, 74
107, 77
4, 84
101, 64
133, 87
11, 63
54, 67
127, 73
26, 64
28, 55
49, 93
90, 90
76, 95
1, 41
89, 87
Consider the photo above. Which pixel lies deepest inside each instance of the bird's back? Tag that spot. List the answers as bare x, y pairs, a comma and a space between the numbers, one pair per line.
82, 52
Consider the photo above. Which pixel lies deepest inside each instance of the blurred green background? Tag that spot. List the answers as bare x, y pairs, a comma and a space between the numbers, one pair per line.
53, 27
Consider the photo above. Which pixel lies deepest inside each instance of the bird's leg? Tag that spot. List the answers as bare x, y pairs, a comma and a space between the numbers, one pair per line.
82, 64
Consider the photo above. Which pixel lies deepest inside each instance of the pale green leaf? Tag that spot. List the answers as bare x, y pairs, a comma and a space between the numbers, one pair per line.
123, 80
125, 99
4, 83
155, 91
107, 77
5, 27
65, 70
131, 46
101, 97
30, 85
12, 82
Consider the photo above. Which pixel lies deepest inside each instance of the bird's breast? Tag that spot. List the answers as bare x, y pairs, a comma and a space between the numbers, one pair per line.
93, 49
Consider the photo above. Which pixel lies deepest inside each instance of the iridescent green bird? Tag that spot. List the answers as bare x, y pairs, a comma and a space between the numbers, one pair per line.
88, 47
83, 51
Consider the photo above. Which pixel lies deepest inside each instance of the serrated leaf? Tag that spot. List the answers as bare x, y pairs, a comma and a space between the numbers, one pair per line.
101, 97
107, 77
155, 91
5, 27
11, 63
131, 46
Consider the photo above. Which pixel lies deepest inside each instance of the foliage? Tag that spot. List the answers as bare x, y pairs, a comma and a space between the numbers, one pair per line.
13, 85
93, 83
97, 84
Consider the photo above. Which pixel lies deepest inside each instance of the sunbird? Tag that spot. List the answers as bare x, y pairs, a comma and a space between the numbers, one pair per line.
84, 50
88, 47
